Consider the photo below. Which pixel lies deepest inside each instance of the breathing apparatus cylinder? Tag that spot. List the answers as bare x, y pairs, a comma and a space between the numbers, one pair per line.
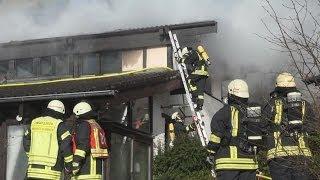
203, 54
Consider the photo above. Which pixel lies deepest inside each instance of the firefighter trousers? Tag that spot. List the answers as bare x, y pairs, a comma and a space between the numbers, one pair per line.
199, 82
285, 168
236, 175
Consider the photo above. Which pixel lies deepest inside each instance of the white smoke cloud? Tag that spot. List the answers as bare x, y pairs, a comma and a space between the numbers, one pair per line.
236, 47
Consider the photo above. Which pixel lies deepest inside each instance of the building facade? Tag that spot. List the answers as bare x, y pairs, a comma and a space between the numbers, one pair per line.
127, 75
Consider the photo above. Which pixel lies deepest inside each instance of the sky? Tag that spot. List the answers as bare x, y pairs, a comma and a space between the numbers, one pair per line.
236, 50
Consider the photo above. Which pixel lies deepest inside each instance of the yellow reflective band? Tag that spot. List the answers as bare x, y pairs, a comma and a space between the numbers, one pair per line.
200, 97
215, 138
191, 86
65, 135
211, 151
233, 152
288, 151
237, 163
277, 139
43, 173
234, 121
93, 166
278, 116
302, 143
171, 127
80, 152
236, 166
68, 158
26, 132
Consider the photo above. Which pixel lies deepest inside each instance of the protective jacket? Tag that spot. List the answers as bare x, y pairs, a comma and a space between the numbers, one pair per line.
90, 148
47, 143
229, 139
288, 125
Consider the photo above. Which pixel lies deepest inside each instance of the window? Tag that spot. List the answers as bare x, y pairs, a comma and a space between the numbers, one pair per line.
141, 115
157, 57
90, 64
61, 65
110, 62
4, 67
120, 159
46, 66
140, 160
132, 60
117, 113
17, 160
24, 68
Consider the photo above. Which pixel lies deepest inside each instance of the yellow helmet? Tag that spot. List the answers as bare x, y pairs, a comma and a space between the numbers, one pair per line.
285, 80
81, 108
57, 106
239, 88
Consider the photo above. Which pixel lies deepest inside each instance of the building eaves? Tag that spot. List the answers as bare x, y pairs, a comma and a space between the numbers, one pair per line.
119, 83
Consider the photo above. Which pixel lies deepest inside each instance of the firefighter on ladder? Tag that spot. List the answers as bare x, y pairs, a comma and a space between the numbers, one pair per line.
48, 144
236, 135
196, 62
90, 145
289, 124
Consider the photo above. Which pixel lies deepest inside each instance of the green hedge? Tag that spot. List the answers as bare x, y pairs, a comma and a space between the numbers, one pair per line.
186, 160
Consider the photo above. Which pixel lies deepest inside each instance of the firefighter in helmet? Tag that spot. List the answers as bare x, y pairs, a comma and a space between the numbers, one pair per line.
235, 135
197, 62
90, 145
176, 127
289, 123
48, 144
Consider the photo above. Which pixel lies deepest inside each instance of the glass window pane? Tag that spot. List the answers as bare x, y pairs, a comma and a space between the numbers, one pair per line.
17, 160
140, 115
91, 64
46, 66
4, 67
120, 157
25, 68
116, 113
110, 62
140, 161
62, 65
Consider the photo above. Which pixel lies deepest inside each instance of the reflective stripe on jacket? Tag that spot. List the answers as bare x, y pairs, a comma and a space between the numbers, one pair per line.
44, 141
45, 173
225, 125
98, 143
279, 149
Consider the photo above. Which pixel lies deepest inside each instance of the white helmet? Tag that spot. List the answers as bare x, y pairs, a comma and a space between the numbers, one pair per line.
185, 51
239, 88
285, 80
57, 106
175, 116
81, 108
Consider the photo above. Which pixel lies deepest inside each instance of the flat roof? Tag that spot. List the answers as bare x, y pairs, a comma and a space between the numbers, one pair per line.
108, 41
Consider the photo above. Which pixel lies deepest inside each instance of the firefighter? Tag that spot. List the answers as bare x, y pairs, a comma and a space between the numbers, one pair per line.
176, 127
235, 135
288, 126
48, 144
90, 145
197, 67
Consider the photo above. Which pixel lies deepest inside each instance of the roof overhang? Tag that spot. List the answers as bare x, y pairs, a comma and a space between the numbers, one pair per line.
109, 41
123, 86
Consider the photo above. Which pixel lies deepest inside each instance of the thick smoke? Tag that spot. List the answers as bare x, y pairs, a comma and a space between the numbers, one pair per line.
237, 50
